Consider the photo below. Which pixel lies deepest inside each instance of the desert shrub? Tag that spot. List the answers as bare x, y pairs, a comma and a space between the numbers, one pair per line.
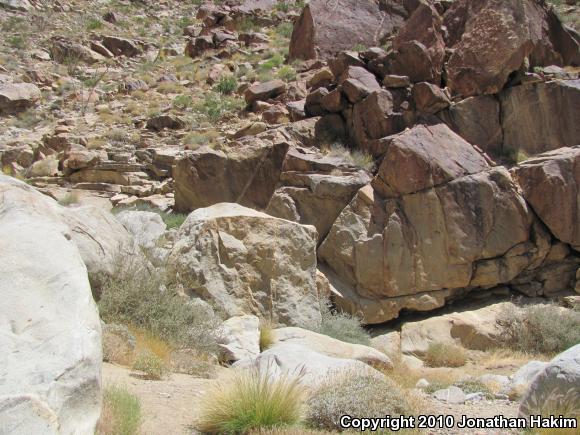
286, 73
215, 106
251, 399
469, 386
445, 355
547, 329
134, 296
342, 326
354, 393
150, 364
182, 101
273, 62
121, 413
226, 85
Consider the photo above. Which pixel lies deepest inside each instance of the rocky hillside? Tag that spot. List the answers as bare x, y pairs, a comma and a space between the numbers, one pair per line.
269, 183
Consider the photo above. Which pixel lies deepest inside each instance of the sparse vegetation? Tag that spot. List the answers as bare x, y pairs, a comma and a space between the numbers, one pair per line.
215, 106
172, 220
121, 413
226, 85
546, 329
354, 393
250, 400
445, 355
150, 364
342, 326
134, 296
357, 158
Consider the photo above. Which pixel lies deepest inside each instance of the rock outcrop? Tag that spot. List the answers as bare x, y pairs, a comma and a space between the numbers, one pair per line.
247, 262
551, 184
428, 227
541, 116
17, 97
325, 28
51, 340
246, 174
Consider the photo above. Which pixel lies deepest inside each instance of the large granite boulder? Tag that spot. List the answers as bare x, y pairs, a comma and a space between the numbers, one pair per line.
325, 28
445, 224
247, 262
555, 389
470, 328
551, 185
102, 241
50, 381
246, 173
297, 360
541, 116
332, 347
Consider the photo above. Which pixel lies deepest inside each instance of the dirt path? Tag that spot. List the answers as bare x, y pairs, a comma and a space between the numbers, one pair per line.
168, 406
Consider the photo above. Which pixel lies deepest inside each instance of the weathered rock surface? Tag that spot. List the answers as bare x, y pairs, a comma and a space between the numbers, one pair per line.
101, 240
542, 116
491, 39
240, 338
419, 46
17, 97
51, 340
473, 329
331, 347
246, 174
314, 198
438, 227
294, 360
247, 262
477, 120
264, 91
551, 184
324, 28
556, 387
146, 227
424, 157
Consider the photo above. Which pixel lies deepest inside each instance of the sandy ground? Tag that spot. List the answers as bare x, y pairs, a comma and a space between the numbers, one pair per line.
167, 406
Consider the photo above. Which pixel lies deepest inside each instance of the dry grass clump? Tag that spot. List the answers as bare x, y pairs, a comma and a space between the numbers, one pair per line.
150, 365
445, 355
357, 158
356, 394
546, 329
121, 413
555, 404
266, 334
250, 400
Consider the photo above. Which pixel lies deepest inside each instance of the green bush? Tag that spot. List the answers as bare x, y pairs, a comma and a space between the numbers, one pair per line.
215, 106
134, 296
226, 85
342, 326
545, 329
356, 394
121, 412
250, 400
